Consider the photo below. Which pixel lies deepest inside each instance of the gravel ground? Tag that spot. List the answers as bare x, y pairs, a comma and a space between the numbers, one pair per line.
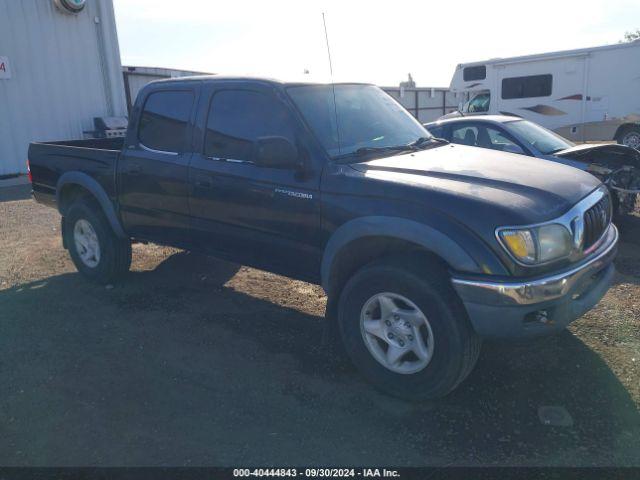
193, 361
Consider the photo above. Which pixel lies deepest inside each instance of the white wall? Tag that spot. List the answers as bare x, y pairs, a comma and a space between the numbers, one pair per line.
65, 70
138, 77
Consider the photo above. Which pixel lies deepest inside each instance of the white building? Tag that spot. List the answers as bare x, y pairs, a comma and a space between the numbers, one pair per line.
59, 68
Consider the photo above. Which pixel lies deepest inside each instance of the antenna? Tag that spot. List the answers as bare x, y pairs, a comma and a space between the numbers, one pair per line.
326, 37
333, 86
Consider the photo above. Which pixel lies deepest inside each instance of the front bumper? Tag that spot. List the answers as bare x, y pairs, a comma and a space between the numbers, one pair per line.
539, 306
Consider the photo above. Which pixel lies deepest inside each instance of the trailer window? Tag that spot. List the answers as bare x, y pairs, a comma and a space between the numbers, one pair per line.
163, 121
527, 87
479, 72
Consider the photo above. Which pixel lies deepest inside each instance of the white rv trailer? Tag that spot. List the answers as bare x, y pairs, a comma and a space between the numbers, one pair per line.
590, 94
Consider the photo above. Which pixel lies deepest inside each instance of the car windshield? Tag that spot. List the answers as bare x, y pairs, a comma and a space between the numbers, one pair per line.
543, 140
363, 117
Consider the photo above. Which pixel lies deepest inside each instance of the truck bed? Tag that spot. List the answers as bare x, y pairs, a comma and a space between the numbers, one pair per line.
95, 157
93, 143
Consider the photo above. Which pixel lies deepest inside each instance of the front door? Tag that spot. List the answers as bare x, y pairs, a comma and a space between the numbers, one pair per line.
266, 217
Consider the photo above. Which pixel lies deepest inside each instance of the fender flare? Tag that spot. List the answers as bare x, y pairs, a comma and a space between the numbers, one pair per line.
90, 184
399, 228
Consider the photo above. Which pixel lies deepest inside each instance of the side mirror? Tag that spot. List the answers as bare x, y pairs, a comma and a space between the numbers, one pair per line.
275, 152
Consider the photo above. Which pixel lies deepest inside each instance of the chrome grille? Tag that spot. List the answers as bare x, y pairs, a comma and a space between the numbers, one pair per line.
596, 221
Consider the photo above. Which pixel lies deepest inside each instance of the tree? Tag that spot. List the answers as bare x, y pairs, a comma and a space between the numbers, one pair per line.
633, 35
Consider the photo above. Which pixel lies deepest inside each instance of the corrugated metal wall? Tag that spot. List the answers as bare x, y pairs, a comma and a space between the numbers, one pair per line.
137, 77
65, 70
426, 104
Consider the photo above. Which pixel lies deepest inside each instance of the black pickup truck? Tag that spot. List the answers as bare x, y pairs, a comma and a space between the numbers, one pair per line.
424, 248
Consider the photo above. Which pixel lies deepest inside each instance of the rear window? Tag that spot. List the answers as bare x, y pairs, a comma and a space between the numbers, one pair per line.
527, 87
479, 72
164, 119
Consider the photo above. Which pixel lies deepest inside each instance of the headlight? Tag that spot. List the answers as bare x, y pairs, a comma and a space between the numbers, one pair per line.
537, 244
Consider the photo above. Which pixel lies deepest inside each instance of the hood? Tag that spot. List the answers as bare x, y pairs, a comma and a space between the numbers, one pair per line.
602, 152
618, 166
510, 188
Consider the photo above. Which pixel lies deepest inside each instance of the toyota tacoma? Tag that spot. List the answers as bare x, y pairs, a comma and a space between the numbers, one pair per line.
423, 247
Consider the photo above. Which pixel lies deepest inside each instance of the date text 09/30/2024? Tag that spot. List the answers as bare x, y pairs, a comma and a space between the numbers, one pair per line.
317, 472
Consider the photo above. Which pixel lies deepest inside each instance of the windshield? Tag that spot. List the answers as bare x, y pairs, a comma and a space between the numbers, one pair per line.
543, 140
366, 118
479, 103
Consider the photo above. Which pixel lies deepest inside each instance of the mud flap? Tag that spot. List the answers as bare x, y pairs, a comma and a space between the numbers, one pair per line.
331, 341
64, 240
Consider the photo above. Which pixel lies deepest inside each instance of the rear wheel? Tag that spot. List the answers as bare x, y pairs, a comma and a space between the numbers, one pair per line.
95, 249
406, 330
630, 137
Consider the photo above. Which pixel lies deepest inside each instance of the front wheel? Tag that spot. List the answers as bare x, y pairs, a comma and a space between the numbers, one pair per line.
406, 330
630, 137
95, 249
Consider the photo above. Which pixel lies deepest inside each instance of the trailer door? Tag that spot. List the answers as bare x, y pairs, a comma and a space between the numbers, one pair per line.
548, 92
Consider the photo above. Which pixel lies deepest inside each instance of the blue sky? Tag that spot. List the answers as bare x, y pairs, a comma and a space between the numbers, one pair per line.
378, 42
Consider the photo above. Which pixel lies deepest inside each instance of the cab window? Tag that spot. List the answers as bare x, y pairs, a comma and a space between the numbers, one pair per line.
464, 135
164, 121
237, 118
479, 103
484, 137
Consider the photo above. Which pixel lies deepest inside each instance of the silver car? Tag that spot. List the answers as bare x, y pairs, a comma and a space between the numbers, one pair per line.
618, 166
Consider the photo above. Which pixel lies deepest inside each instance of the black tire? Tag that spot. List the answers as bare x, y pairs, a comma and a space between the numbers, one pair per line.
115, 252
629, 133
456, 345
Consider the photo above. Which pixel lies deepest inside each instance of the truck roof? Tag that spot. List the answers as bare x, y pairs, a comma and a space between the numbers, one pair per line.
260, 79
543, 56
476, 118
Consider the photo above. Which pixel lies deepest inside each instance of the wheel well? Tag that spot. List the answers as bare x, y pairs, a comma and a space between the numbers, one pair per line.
622, 129
360, 252
70, 193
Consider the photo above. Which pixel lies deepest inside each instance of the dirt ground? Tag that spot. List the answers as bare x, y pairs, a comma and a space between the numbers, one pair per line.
194, 361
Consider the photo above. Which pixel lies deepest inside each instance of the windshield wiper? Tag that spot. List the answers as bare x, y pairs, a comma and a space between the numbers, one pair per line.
420, 143
355, 156
424, 141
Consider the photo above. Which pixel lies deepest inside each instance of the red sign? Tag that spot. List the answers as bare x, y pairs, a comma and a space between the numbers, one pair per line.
5, 71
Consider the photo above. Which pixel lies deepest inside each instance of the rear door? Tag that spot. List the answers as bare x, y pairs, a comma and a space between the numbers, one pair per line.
267, 217
154, 167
